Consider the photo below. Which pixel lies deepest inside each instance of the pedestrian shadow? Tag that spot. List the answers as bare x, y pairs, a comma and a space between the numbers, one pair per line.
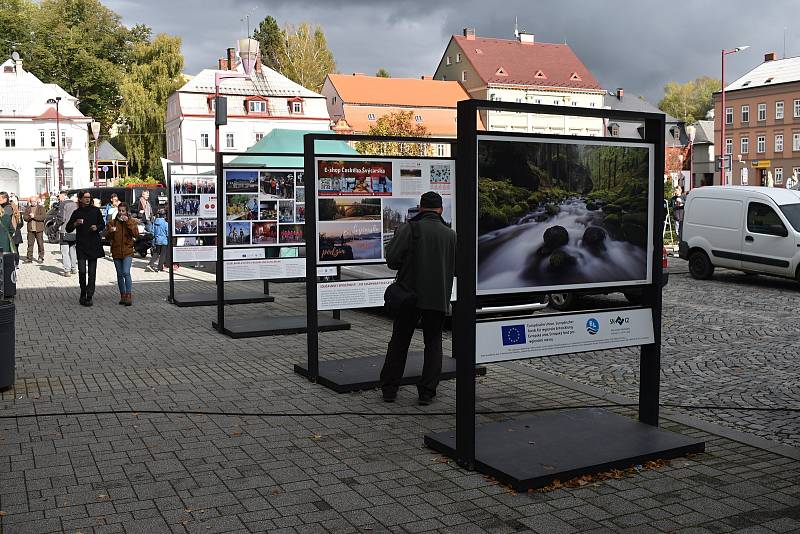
51, 269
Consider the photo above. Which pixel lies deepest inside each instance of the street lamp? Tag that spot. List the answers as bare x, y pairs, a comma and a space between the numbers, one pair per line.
55, 101
691, 132
95, 127
723, 179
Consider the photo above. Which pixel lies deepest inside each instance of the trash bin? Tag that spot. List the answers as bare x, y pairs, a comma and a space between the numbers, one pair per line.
7, 344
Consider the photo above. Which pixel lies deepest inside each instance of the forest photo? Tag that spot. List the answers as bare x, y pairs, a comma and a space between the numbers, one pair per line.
552, 215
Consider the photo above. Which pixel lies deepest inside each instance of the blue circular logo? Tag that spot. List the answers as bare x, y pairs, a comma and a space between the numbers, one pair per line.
592, 326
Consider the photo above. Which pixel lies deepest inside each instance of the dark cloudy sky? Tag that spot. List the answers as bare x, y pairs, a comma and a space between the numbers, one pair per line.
636, 44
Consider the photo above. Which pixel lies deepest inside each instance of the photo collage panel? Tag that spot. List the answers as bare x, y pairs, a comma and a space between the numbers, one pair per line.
194, 206
361, 203
264, 208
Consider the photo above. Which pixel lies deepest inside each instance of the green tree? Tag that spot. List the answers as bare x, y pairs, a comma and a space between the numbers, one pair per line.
16, 25
272, 42
306, 60
399, 124
154, 74
689, 101
383, 73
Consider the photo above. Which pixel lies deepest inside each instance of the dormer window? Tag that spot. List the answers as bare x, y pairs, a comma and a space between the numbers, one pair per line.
613, 129
257, 106
295, 106
371, 117
501, 72
418, 118
539, 74
575, 77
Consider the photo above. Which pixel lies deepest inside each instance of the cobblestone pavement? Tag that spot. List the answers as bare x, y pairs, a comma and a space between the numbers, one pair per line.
731, 341
105, 472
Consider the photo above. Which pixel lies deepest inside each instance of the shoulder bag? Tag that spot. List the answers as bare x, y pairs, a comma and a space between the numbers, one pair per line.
401, 295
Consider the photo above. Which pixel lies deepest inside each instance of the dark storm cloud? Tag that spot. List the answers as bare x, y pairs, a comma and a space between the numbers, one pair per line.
636, 44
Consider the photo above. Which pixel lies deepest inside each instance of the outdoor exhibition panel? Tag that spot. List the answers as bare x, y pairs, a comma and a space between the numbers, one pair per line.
353, 206
193, 232
542, 213
260, 236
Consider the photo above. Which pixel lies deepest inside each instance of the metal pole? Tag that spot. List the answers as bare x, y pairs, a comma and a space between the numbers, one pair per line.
58, 144
723, 117
312, 317
95, 162
220, 245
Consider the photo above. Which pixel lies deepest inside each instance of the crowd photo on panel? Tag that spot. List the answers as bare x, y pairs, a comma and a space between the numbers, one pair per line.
88, 226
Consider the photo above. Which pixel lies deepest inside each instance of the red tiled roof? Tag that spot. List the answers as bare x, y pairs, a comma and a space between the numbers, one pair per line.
534, 64
51, 114
412, 92
439, 122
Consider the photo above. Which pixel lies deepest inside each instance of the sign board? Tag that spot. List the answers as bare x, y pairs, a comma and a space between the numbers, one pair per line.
352, 294
745, 175
361, 201
761, 163
270, 269
551, 218
533, 337
193, 217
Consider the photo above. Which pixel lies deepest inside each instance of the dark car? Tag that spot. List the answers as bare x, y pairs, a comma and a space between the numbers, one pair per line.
568, 301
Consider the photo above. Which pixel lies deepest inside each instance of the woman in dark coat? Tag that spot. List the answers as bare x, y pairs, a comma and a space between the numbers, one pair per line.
87, 221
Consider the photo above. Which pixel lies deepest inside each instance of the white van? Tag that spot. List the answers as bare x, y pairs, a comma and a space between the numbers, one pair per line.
750, 229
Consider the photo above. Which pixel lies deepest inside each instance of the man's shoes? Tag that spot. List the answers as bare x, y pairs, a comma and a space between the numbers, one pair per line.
388, 397
65, 273
41, 260
27, 261
121, 298
82, 300
425, 400
74, 271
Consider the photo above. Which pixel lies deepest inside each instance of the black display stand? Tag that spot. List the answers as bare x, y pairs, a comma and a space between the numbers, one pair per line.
533, 452
203, 297
362, 372
257, 324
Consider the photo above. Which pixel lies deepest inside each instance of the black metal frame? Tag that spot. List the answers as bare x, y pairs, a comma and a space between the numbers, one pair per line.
312, 370
464, 316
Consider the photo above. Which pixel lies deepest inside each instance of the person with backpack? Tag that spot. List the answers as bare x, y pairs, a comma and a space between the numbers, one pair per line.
423, 251
160, 242
121, 231
88, 224
66, 240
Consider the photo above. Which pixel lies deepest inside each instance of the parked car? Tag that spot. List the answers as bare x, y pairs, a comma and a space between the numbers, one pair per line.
568, 301
750, 229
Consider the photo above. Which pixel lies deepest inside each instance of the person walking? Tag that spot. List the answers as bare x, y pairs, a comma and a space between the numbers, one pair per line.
110, 209
34, 216
87, 222
6, 225
17, 223
66, 240
160, 242
121, 231
145, 211
423, 250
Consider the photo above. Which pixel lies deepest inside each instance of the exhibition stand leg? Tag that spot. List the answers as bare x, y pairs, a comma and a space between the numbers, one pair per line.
534, 451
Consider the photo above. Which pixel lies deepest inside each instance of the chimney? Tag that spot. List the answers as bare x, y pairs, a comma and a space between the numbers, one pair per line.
526, 38
231, 59
620, 93
222, 64
359, 74
469, 33
424, 77
772, 56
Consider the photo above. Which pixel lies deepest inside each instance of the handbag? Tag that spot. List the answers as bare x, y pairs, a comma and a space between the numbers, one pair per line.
400, 295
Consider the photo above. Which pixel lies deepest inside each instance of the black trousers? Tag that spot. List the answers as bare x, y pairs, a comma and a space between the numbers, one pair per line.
397, 352
87, 285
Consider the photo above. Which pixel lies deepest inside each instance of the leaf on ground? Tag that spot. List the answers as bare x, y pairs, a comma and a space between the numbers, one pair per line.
135, 414
275, 492
103, 496
315, 436
2, 513
236, 434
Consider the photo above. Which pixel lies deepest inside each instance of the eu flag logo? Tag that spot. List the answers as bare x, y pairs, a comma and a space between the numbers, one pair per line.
513, 335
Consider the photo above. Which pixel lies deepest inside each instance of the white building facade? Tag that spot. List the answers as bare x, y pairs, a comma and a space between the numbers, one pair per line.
256, 106
29, 131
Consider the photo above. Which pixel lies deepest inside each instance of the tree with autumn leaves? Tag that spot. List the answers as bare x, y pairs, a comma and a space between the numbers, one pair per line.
398, 124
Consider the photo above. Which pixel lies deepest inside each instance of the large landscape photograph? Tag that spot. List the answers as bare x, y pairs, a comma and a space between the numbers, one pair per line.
555, 215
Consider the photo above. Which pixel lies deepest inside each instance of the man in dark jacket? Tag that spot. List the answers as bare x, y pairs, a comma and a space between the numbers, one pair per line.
432, 246
34, 216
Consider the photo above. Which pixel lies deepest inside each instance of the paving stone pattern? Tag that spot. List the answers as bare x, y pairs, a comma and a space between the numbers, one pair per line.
731, 341
292, 473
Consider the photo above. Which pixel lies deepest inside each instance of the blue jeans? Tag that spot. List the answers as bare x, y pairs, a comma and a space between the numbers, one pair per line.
123, 267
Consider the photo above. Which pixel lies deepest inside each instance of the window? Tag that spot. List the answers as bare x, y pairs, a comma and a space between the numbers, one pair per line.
449, 60
762, 112
615, 130
229, 141
744, 145
778, 142
418, 118
371, 117
52, 138
556, 102
463, 76
762, 219
745, 113
63, 140
761, 144
204, 140
42, 139
574, 103
797, 108
458, 57
778, 175
729, 146
441, 151
796, 141
796, 173
259, 136
258, 106
779, 109
728, 115
333, 100
297, 107
11, 138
